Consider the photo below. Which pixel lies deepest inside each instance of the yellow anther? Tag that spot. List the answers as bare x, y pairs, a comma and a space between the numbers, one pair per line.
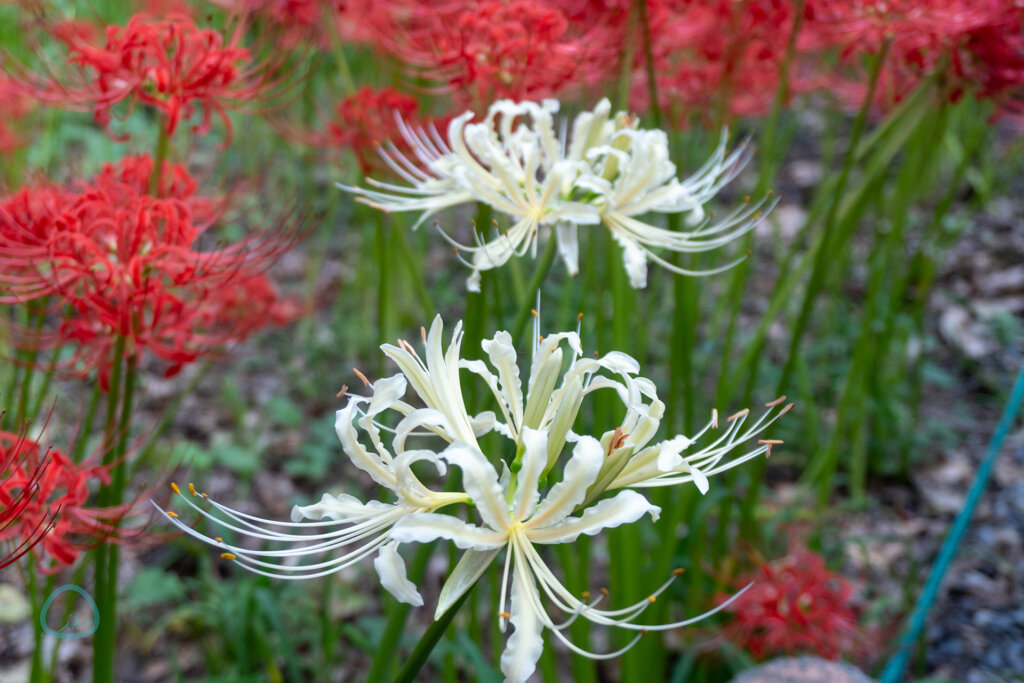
504, 615
172, 514
585, 595
228, 556
742, 413
678, 572
651, 598
218, 539
534, 313
174, 487
579, 317
192, 489
604, 591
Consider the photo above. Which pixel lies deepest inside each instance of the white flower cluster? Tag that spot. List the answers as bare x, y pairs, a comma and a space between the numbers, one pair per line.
547, 485
601, 171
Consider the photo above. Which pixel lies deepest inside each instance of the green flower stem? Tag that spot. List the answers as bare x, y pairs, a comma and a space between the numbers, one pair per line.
418, 658
29, 358
382, 253
770, 159
398, 614
547, 257
416, 273
37, 675
162, 143
103, 639
823, 259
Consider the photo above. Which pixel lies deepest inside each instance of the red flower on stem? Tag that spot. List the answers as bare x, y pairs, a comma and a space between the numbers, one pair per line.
369, 118
482, 51
119, 262
169, 64
19, 489
796, 605
48, 495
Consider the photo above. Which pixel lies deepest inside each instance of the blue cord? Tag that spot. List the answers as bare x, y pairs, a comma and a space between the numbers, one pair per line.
893, 671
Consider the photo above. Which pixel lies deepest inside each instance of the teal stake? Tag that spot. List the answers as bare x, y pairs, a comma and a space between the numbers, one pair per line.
893, 671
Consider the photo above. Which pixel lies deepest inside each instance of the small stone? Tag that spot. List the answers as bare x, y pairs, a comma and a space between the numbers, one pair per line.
14, 606
803, 670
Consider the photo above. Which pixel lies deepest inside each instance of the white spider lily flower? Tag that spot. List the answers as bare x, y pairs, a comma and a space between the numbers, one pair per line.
517, 519
639, 178
349, 522
601, 170
512, 161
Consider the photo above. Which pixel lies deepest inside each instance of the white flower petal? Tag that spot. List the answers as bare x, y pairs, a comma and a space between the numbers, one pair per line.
423, 527
524, 647
370, 463
568, 245
535, 458
341, 508
469, 569
624, 508
391, 569
480, 481
580, 473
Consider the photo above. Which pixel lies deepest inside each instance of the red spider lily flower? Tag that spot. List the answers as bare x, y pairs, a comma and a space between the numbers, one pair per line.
119, 262
482, 51
169, 64
796, 605
16, 498
52, 494
977, 45
369, 118
715, 57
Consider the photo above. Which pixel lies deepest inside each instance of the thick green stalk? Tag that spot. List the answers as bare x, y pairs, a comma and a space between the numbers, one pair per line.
770, 160
162, 143
822, 259
547, 257
37, 674
103, 638
384, 313
398, 613
416, 273
427, 643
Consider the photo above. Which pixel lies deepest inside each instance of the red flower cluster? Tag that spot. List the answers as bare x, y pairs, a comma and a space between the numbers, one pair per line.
169, 64
976, 45
19, 486
482, 51
368, 118
44, 503
120, 262
716, 55
795, 605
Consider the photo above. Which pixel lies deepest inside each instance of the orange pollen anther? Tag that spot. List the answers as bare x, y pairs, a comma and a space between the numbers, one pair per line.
362, 376
172, 514
504, 615
228, 556
776, 402
174, 487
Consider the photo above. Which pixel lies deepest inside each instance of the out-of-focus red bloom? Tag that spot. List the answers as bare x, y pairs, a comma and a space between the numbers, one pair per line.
796, 605
167, 63
19, 487
714, 57
368, 118
51, 496
976, 45
119, 262
482, 51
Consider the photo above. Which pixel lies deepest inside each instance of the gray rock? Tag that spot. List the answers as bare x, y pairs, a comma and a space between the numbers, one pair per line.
803, 670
